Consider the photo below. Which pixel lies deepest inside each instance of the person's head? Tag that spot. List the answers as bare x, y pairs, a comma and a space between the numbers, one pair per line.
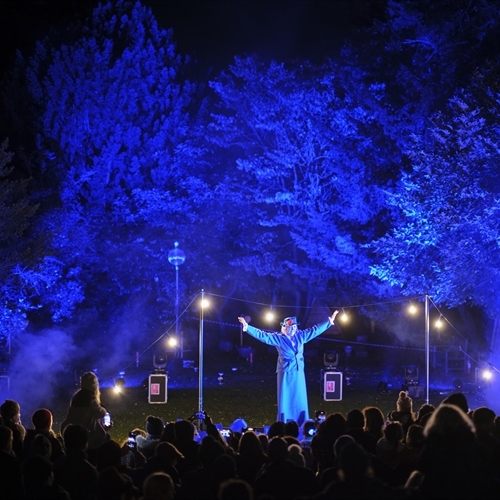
340, 442
277, 451
355, 419
449, 422
309, 429
209, 450
333, 426
235, 488
168, 452
393, 432
89, 382
291, 429
154, 426
158, 486
224, 468
168, 433
42, 419
184, 431
424, 410
10, 410
374, 419
484, 419
6, 439
404, 404
457, 399
75, 437
354, 463
264, 441
250, 445
289, 326
40, 445
277, 428
109, 454
296, 456
415, 436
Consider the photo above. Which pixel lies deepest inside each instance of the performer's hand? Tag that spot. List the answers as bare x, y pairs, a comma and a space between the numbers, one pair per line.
332, 317
243, 322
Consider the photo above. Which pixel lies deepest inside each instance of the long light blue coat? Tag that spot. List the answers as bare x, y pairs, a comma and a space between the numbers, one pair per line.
292, 390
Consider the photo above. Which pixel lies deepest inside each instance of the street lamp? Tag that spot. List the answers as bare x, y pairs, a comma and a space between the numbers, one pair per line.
203, 304
427, 348
176, 257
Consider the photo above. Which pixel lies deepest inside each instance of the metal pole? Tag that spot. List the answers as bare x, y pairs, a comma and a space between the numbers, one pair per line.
176, 257
427, 346
200, 364
181, 340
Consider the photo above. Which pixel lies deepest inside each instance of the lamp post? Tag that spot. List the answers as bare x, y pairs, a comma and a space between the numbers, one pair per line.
176, 257
427, 348
200, 354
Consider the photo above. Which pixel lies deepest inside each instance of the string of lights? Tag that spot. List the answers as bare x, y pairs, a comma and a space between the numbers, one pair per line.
412, 309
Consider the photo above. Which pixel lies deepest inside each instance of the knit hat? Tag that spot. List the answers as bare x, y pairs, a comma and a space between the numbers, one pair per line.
88, 382
154, 426
42, 419
296, 456
404, 402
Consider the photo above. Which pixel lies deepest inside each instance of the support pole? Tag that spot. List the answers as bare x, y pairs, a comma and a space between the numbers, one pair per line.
427, 348
200, 364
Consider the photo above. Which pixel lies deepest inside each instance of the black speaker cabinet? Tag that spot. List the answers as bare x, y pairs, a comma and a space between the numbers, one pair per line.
157, 388
332, 386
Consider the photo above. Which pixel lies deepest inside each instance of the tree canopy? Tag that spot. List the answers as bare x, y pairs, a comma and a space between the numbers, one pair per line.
369, 174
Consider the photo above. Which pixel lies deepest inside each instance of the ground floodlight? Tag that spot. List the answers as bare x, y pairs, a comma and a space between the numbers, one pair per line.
120, 383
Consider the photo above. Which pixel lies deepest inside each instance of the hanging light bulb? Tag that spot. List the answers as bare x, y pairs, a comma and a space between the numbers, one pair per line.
439, 322
412, 308
343, 317
270, 315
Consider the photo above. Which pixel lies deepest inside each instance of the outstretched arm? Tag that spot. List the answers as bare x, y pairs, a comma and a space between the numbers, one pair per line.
332, 317
267, 338
243, 322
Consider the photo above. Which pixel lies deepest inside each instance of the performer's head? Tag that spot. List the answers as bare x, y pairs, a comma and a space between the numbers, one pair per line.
289, 326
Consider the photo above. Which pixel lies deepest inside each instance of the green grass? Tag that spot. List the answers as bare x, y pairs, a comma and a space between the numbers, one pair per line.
248, 392
256, 404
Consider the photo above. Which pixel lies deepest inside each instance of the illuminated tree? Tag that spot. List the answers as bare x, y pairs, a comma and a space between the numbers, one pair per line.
117, 134
306, 184
446, 240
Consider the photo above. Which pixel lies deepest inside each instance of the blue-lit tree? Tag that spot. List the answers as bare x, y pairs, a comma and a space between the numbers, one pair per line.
308, 170
117, 133
446, 240
16, 210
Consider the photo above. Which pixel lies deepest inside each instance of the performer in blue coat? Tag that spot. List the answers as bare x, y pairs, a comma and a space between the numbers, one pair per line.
292, 390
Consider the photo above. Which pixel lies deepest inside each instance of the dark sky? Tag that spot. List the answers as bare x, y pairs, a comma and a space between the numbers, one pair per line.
210, 31
213, 31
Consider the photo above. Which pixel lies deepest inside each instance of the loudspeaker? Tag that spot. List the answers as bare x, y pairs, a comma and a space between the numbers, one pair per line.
157, 388
416, 391
332, 386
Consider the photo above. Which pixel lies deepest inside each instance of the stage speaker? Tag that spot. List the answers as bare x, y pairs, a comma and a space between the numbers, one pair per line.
332, 386
157, 388
416, 391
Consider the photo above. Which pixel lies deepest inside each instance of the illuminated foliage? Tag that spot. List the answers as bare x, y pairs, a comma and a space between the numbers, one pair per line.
117, 135
446, 241
306, 169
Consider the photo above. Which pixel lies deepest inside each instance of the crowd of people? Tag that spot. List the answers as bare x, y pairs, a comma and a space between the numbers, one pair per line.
448, 451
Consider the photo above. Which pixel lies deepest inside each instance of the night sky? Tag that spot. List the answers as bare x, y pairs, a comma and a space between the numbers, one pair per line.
210, 31
214, 31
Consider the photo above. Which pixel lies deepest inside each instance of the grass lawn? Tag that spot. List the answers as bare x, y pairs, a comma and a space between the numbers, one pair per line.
248, 392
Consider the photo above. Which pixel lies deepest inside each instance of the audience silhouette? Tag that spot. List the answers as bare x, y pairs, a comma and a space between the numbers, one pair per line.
447, 451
